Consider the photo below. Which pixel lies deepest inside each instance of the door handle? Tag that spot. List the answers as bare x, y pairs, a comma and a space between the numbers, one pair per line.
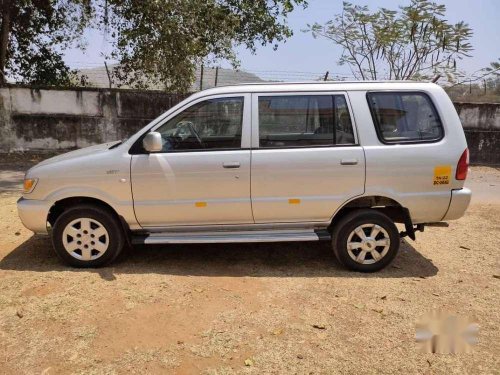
349, 161
232, 164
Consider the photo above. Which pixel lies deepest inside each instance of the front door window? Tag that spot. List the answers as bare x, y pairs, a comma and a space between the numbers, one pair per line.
207, 125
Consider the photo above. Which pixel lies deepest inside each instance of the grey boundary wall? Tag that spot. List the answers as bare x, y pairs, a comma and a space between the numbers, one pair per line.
481, 122
53, 120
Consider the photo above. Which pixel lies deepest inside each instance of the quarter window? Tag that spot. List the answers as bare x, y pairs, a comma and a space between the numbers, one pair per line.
304, 120
404, 117
210, 124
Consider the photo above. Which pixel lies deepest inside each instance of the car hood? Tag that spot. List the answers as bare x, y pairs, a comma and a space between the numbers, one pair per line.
79, 153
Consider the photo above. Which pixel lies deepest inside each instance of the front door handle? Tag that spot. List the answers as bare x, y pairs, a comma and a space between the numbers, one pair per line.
232, 164
349, 161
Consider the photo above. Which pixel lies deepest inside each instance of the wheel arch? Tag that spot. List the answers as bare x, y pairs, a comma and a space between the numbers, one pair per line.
389, 206
63, 204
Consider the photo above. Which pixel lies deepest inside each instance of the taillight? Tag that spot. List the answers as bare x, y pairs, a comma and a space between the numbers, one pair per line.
463, 166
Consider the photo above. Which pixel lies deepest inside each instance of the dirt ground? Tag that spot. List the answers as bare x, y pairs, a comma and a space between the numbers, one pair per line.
284, 308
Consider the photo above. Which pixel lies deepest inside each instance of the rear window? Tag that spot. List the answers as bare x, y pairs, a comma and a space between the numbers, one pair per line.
401, 117
304, 121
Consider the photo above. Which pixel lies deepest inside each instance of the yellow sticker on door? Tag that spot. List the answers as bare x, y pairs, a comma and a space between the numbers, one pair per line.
442, 175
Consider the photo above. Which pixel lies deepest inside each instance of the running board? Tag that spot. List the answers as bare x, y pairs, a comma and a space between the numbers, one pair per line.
232, 237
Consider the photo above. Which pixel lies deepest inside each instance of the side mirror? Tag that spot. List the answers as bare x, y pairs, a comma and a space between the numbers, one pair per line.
152, 142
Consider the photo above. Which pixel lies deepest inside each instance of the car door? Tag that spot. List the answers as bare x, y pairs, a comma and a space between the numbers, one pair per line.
202, 174
306, 160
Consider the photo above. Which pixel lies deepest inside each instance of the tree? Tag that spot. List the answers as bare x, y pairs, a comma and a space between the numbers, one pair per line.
493, 74
413, 42
154, 41
33, 34
494, 68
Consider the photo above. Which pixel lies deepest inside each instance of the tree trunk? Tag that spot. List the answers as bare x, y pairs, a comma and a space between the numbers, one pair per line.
4, 39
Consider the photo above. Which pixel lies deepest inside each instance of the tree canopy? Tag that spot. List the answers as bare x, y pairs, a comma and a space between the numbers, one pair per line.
494, 68
154, 41
33, 34
415, 41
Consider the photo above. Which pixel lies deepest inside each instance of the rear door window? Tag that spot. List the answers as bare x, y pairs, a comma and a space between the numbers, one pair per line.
304, 121
401, 117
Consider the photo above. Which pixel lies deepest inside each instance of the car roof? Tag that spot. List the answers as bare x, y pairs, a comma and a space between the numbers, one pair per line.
317, 86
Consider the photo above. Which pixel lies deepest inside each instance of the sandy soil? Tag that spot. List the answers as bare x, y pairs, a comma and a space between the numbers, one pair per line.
269, 308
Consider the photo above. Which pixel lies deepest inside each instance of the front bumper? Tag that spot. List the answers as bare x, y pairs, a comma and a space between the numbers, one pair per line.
460, 200
33, 214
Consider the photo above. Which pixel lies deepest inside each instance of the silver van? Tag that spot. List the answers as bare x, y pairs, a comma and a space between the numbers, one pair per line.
341, 162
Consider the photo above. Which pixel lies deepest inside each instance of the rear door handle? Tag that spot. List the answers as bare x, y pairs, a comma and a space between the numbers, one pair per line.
232, 164
349, 161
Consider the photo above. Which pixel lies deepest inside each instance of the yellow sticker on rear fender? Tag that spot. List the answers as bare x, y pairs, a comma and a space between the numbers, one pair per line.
442, 175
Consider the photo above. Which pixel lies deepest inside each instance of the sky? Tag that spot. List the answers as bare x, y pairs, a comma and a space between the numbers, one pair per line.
303, 53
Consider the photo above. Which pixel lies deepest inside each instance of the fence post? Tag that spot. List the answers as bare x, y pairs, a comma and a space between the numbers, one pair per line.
326, 76
107, 72
201, 77
436, 78
216, 75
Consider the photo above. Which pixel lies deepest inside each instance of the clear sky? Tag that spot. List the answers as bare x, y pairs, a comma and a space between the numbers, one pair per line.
303, 53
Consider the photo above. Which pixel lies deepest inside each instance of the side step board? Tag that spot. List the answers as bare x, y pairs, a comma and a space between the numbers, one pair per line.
232, 237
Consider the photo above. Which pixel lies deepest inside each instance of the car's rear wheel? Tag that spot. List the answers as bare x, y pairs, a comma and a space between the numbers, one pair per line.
365, 240
87, 236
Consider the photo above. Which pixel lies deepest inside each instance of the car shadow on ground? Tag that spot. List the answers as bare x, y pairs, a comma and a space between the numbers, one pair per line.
285, 259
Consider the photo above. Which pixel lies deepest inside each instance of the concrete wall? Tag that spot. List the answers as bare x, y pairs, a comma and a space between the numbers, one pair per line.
481, 122
49, 120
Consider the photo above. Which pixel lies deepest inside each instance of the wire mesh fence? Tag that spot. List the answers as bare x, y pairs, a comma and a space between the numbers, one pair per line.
98, 75
213, 77
486, 90
481, 86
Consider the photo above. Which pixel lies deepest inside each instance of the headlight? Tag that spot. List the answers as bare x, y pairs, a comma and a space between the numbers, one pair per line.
29, 185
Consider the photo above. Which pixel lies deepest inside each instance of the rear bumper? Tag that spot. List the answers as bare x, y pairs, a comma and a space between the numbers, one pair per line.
460, 200
33, 214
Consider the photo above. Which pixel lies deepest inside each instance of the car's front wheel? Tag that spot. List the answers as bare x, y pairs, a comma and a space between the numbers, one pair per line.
365, 240
87, 236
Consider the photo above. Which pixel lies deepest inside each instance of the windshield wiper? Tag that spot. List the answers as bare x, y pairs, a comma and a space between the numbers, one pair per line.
115, 145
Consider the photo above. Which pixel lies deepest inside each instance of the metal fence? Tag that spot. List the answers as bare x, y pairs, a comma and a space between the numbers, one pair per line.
100, 75
483, 91
480, 86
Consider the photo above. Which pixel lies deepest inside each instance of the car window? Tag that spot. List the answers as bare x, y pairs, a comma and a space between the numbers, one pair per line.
210, 124
404, 117
304, 120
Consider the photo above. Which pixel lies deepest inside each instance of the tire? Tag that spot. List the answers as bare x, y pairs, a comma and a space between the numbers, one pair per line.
87, 236
378, 251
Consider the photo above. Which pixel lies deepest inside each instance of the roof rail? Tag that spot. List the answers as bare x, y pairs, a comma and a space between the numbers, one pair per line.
318, 82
